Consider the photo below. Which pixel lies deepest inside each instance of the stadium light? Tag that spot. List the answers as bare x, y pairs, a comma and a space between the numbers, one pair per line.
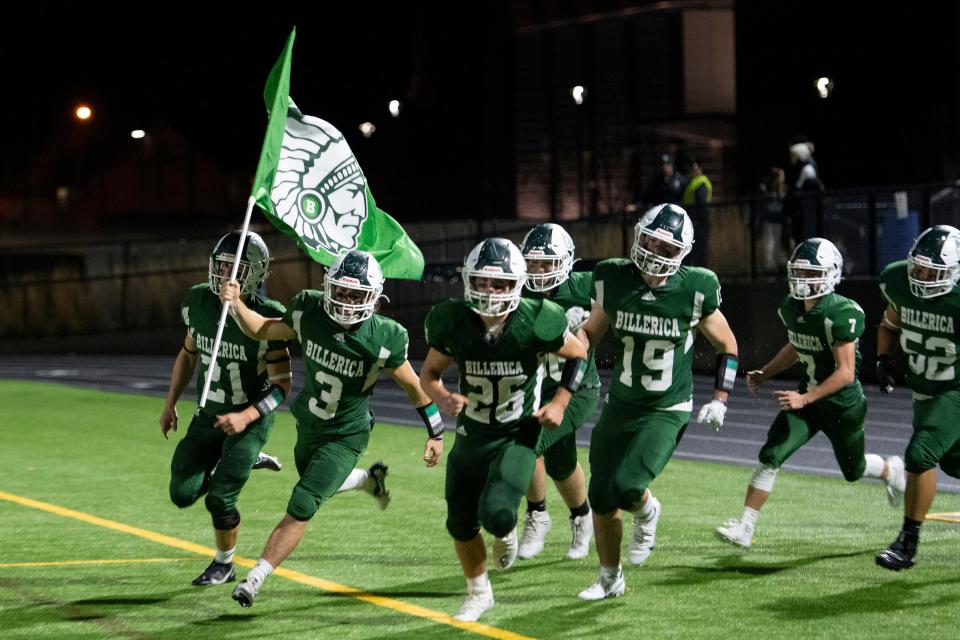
394, 108
83, 113
137, 134
579, 94
824, 87
367, 129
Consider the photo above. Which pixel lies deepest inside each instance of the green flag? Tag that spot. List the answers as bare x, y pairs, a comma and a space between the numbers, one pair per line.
311, 187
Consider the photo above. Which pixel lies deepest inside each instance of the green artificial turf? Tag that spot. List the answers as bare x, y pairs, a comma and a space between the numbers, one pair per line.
810, 573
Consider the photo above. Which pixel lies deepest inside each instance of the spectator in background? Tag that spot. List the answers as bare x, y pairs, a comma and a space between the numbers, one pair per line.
769, 217
666, 188
803, 181
696, 199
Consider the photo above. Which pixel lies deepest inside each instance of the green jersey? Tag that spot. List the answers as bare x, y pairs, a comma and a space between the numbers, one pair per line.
928, 335
654, 331
341, 365
501, 376
573, 292
813, 334
240, 372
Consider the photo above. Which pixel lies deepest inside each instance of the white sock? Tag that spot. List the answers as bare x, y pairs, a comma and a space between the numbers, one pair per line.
480, 583
356, 480
749, 516
875, 465
260, 571
224, 557
609, 573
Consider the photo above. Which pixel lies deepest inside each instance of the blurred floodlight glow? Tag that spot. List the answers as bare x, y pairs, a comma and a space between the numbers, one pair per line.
578, 93
367, 129
83, 112
824, 87
394, 108
136, 134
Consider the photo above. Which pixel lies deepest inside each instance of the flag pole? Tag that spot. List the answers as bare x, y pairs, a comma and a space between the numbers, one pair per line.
226, 307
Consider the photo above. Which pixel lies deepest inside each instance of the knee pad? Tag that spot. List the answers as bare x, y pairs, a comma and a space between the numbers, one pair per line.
559, 470
919, 458
628, 492
460, 532
852, 473
500, 522
764, 476
226, 522
218, 507
302, 505
182, 497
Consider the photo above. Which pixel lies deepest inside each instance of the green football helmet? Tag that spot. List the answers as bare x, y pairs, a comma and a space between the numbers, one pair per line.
819, 255
671, 225
933, 264
494, 259
352, 285
551, 243
254, 262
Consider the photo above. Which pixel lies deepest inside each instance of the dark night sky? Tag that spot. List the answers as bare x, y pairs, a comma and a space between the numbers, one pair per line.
201, 67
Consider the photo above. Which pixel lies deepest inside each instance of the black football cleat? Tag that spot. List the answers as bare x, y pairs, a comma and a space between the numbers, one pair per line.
378, 473
898, 556
216, 573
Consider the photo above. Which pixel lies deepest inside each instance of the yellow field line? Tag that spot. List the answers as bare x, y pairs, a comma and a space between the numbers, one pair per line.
296, 576
68, 563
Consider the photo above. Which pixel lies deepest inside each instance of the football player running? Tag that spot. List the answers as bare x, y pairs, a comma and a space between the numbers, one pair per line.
653, 306
923, 307
549, 252
345, 347
223, 441
823, 333
498, 342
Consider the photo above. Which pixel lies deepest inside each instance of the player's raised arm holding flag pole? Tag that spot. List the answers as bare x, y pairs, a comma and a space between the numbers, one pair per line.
311, 187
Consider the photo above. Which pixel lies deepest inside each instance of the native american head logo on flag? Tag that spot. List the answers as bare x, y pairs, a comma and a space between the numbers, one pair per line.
319, 189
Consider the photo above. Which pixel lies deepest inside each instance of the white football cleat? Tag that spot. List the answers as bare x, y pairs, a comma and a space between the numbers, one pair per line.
475, 605
736, 533
644, 535
505, 551
604, 588
246, 592
535, 530
581, 529
896, 480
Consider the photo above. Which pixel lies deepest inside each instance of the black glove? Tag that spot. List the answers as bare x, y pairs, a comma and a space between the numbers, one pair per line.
885, 366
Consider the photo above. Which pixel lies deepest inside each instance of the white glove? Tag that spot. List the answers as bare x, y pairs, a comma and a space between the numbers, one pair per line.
712, 414
576, 316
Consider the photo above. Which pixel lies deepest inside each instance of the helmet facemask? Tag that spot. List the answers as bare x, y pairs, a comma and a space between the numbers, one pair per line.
347, 301
648, 260
804, 286
928, 280
556, 273
493, 294
252, 267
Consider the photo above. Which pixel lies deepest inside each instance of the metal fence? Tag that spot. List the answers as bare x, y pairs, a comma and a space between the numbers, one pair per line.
74, 288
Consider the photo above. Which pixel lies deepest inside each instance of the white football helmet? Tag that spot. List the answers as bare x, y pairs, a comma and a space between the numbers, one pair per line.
821, 256
352, 285
551, 243
495, 259
254, 263
667, 223
933, 264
